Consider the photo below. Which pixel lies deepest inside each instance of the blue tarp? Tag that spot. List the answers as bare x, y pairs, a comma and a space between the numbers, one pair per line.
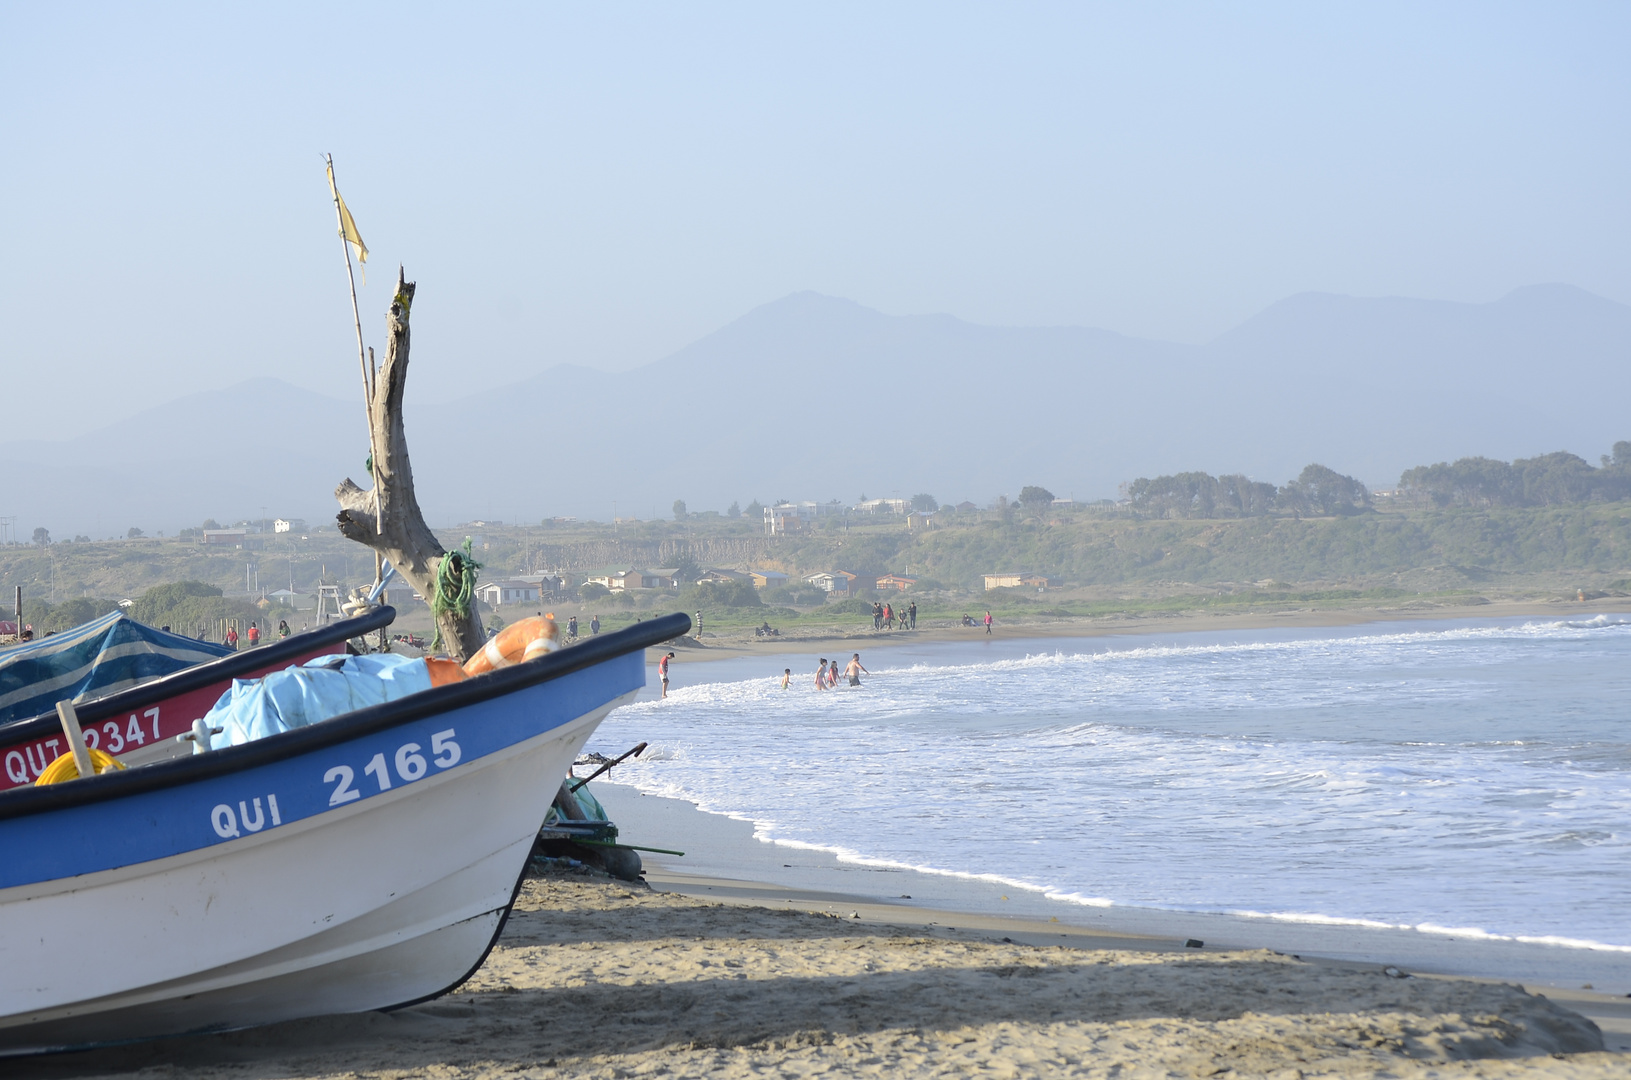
101, 657
311, 693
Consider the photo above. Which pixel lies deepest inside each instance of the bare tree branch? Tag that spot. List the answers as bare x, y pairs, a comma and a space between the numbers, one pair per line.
402, 535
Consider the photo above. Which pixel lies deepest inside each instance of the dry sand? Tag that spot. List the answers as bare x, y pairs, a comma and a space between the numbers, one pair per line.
593, 978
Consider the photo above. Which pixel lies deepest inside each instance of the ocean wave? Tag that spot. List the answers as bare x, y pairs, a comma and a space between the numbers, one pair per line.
1471, 777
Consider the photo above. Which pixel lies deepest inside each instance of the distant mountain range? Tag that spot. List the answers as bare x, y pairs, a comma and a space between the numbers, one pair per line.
814, 397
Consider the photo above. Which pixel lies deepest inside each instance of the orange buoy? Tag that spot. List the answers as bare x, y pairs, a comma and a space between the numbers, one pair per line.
518, 642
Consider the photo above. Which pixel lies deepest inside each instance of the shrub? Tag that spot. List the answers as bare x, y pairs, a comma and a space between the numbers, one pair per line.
852, 606
722, 594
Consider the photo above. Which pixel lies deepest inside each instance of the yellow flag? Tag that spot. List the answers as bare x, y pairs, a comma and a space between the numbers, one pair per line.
348, 227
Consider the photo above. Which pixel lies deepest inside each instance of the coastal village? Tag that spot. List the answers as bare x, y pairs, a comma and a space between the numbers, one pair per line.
810, 568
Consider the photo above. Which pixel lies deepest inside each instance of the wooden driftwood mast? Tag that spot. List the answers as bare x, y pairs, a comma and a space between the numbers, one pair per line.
387, 518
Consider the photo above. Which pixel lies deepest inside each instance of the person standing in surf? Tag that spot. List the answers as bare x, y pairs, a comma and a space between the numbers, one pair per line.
787, 678
662, 670
854, 670
821, 675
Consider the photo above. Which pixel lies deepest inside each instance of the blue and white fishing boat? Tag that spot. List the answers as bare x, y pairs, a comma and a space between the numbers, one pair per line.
364, 862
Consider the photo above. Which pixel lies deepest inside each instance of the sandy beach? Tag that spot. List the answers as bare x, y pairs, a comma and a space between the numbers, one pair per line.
731, 644
595, 978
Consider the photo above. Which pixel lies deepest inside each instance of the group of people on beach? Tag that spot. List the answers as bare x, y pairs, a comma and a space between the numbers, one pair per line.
884, 616
252, 636
826, 676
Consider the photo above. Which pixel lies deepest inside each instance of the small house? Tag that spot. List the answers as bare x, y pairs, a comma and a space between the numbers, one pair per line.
725, 576
836, 582
899, 582
494, 593
767, 579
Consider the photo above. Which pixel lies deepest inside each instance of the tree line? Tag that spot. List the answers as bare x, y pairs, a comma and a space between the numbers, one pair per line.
1557, 479
1318, 491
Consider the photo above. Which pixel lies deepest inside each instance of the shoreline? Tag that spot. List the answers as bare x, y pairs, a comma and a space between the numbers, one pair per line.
734, 645
726, 863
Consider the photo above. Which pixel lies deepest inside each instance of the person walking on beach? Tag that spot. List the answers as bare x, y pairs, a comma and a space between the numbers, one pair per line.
854, 670
232, 638
889, 616
787, 678
254, 635
911, 612
283, 630
662, 671
572, 628
821, 675
594, 624
877, 615
988, 621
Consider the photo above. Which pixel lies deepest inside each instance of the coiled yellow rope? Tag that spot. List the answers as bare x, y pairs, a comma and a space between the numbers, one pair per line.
64, 768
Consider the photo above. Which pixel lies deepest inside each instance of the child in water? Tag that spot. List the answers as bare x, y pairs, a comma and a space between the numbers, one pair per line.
787, 678
821, 675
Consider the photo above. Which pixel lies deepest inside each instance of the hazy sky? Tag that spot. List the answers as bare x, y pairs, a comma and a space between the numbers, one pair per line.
602, 183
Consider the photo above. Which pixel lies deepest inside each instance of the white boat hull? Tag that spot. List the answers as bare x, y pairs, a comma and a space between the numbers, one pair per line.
371, 903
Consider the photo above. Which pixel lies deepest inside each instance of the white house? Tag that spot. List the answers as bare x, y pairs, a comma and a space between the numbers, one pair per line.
494, 593
838, 582
883, 506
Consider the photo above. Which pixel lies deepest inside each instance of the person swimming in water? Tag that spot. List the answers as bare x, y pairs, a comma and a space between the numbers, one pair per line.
854, 670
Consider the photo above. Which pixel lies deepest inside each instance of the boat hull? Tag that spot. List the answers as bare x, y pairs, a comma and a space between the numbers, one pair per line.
337, 874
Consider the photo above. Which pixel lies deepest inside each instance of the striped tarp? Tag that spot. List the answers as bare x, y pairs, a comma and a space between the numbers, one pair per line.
99, 658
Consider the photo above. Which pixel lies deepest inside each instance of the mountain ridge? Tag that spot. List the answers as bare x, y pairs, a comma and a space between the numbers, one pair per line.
814, 396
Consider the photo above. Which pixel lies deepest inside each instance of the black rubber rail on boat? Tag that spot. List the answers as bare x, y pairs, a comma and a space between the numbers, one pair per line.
23, 801
278, 654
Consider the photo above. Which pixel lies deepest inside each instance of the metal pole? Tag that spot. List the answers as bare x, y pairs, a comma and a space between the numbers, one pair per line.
362, 363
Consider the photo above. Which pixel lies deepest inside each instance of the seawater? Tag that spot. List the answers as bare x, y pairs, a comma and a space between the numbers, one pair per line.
1461, 778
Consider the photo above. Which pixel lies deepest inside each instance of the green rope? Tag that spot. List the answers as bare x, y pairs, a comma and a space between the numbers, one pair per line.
455, 588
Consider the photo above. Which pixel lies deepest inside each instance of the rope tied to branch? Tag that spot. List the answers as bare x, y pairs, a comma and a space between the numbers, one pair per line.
455, 588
